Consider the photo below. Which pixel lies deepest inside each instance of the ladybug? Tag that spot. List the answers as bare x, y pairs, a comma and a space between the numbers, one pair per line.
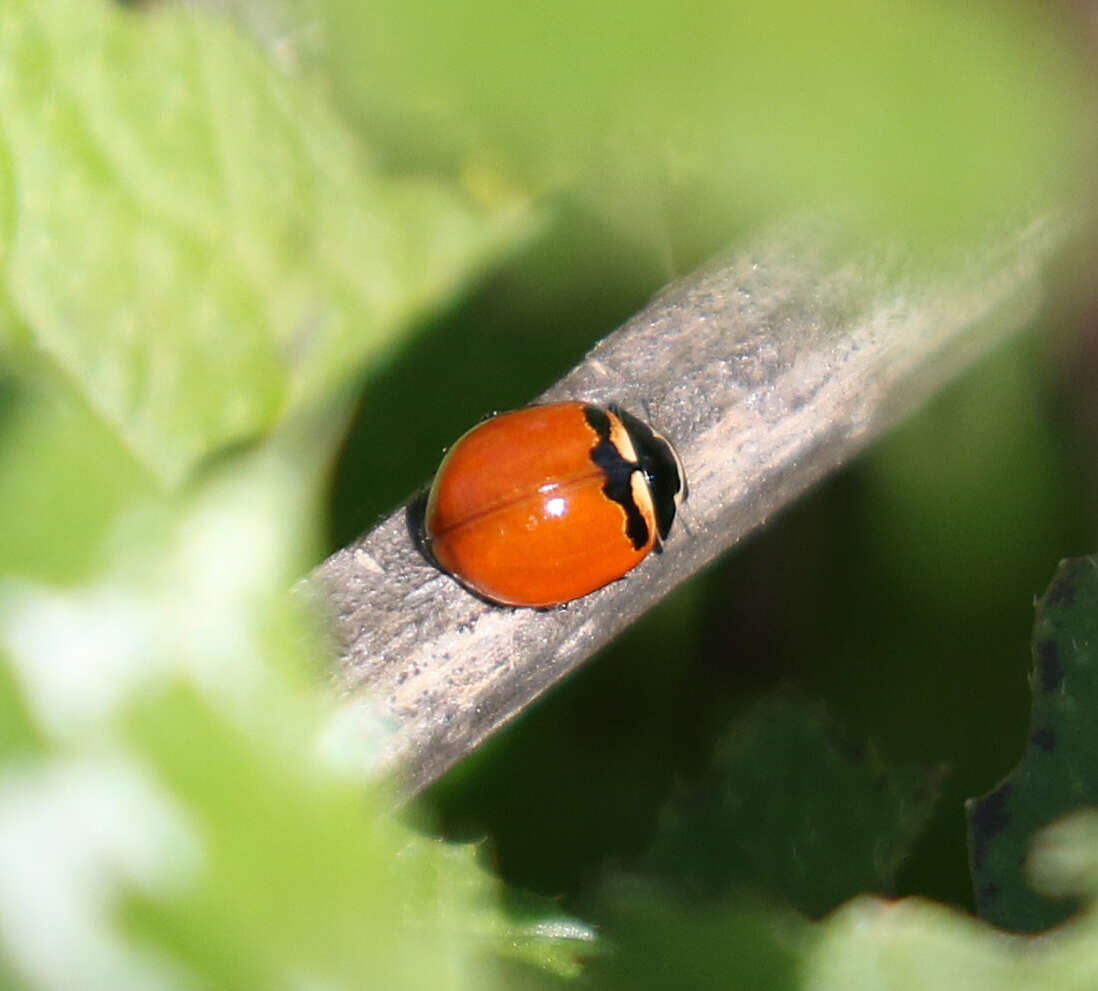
545, 504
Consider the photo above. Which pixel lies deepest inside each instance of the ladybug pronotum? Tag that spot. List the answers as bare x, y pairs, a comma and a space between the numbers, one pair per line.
548, 503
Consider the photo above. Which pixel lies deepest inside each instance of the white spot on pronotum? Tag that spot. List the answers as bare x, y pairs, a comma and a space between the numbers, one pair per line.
75, 834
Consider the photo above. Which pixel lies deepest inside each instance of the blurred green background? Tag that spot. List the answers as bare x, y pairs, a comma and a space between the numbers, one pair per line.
255, 281
899, 592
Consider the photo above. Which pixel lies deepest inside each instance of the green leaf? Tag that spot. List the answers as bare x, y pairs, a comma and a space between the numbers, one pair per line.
1058, 772
791, 805
536, 933
928, 119
178, 806
301, 875
18, 735
657, 941
65, 479
913, 945
1064, 856
193, 236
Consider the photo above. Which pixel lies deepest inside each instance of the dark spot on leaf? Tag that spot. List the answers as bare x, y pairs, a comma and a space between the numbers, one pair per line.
849, 746
1062, 590
1049, 670
987, 893
1044, 738
988, 816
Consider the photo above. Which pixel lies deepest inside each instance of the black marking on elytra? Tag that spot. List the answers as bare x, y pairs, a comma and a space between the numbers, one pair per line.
1043, 738
988, 817
618, 473
1050, 672
660, 468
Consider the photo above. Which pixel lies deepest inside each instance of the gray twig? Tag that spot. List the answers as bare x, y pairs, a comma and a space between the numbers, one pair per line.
767, 370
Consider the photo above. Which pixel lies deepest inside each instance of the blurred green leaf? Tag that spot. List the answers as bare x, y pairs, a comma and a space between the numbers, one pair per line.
193, 236
933, 119
65, 478
305, 876
1058, 772
536, 932
1064, 856
913, 945
190, 811
18, 735
791, 805
657, 942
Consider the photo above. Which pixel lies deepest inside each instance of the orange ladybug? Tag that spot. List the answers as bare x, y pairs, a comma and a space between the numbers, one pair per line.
546, 504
